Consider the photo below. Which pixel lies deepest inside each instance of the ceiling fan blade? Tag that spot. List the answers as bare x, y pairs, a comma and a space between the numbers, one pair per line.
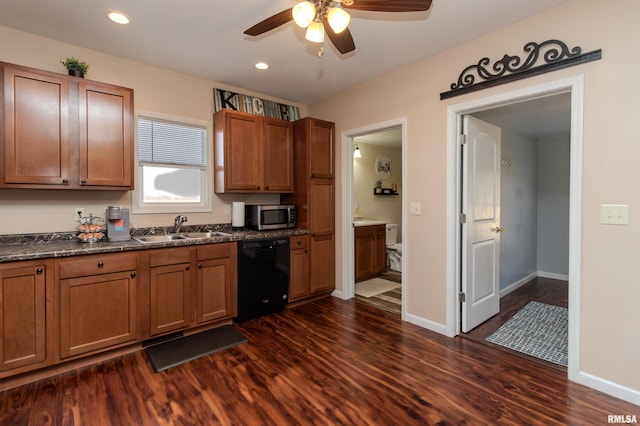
343, 41
389, 6
270, 23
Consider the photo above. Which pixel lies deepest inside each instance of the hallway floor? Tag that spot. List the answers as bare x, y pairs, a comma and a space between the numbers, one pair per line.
544, 290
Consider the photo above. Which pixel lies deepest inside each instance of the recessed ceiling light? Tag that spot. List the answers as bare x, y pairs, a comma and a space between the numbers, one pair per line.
118, 18
262, 65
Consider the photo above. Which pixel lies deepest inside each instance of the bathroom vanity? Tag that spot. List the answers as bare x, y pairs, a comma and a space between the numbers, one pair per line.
370, 256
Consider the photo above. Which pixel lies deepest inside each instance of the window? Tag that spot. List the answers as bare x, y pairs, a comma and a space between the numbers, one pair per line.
173, 176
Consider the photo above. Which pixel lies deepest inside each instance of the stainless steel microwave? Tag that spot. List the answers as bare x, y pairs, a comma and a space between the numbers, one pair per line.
265, 217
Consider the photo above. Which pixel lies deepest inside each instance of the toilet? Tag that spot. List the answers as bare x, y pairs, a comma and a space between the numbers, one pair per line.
394, 248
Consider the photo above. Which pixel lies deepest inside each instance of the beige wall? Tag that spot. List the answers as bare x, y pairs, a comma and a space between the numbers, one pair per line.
155, 90
610, 291
387, 208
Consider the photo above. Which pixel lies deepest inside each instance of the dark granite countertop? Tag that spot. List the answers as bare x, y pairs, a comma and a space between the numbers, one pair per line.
64, 244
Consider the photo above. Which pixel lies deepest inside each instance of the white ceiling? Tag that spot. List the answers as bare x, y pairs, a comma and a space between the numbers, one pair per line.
205, 38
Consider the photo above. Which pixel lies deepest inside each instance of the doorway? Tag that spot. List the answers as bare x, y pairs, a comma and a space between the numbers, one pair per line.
533, 209
377, 218
349, 202
574, 88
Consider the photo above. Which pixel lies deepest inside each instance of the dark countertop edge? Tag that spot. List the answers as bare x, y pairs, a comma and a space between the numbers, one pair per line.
65, 248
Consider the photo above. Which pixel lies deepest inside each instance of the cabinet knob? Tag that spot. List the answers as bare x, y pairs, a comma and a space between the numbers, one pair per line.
199, 265
65, 181
313, 175
39, 271
133, 275
266, 188
100, 264
188, 268
83, 182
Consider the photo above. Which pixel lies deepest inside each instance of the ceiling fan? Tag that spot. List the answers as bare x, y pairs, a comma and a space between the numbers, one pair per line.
325, 16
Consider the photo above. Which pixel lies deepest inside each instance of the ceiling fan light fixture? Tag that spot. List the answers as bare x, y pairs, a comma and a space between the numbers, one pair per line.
303, 13
338, 19
315, 32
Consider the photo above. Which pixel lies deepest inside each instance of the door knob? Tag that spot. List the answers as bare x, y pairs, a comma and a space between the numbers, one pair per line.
499, 229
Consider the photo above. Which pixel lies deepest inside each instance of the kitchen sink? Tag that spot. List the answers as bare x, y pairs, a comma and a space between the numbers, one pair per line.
202, 235
158, 238
148, 239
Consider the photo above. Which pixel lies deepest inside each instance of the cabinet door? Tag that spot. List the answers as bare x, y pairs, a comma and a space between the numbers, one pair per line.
321, 206
106, 135
170, 298
242, 134
379, 250
214, 295
299, 268
36, 128
97, 312
364, 253
321, 146
23, 339
322, 263
278, 155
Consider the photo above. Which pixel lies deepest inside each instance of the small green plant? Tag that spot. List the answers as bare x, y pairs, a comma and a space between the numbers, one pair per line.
75, 64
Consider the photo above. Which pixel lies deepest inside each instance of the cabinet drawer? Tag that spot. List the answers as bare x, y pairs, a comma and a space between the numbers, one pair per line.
95, 265
297, 242
169, 256
216, 251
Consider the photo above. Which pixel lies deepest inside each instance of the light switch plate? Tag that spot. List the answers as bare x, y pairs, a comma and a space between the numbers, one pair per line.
614, 214
415, 209
227, 209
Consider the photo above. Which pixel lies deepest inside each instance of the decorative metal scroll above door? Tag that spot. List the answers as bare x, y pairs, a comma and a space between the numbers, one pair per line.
555, 53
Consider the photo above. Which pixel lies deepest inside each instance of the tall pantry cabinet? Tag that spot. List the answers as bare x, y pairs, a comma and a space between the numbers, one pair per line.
314, 197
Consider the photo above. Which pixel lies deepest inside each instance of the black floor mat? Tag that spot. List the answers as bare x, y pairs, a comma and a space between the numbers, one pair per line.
185, 349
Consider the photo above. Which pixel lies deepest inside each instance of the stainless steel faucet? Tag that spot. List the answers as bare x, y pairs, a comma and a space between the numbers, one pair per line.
180, 219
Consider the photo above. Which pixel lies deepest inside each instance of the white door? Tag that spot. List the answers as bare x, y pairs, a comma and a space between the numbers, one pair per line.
481, 229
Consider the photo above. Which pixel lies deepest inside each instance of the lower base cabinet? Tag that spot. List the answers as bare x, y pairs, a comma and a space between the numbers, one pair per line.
97, 303
169, 290
26, 314
322, 261
370, 256
216, 282
298, 267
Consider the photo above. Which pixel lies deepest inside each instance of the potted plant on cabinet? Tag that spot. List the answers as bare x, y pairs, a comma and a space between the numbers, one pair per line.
75, 66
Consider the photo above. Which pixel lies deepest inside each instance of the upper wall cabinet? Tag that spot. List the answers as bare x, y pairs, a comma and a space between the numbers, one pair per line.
319, 154
64, 132
252, 153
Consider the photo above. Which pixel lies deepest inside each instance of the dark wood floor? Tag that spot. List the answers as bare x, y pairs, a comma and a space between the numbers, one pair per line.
326, 362
544, 290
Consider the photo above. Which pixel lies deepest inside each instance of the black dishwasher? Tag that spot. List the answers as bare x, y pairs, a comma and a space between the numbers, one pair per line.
263, 277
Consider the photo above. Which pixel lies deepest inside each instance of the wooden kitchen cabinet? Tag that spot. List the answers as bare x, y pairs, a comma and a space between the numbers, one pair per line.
216, 282
26, 316
170, 289
370, 251
64, 132
253, 154
96, 306
318, 149
314, 198
298, 267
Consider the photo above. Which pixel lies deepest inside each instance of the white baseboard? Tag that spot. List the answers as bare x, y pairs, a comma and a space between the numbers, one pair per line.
429, 325
517, 284
553, 276
610, 388
338, 294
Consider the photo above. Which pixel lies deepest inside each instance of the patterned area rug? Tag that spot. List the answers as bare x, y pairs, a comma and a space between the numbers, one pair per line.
538, 330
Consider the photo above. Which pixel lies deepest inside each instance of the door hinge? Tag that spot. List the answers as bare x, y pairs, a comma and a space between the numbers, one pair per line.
462, 297
463, 139
463, 218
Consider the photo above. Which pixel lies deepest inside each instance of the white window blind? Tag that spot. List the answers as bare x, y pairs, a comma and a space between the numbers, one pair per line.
163, 142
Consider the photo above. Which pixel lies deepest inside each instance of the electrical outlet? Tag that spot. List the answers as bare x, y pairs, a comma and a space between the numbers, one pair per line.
227, 209
78, 212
